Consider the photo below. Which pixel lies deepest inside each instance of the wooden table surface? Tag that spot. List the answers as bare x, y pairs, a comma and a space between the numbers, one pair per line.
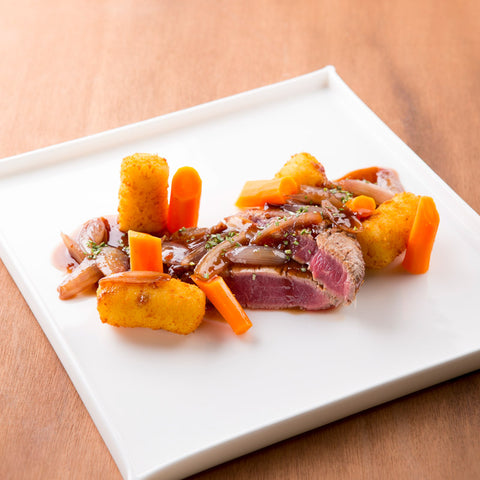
73, 68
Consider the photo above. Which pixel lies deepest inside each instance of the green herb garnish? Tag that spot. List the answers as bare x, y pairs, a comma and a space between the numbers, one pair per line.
95, 248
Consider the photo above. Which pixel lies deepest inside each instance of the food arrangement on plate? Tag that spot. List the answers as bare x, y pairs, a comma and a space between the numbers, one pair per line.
297, 241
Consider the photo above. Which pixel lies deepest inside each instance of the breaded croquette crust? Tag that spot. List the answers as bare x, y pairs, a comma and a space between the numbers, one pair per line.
150, 300
143, 193
385, 234
305, 170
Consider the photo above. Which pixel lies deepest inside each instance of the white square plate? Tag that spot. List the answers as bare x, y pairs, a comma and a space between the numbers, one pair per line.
168, 406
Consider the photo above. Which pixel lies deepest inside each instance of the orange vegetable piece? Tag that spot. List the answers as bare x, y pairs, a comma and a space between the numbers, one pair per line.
222, 298
145, 252
256, 193
422, 237
362, 205
184, 199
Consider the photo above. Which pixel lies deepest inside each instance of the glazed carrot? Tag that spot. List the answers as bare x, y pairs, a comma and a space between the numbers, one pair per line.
362, 205
184, 199
222, 298
369, 174
145, 252
422, 236
256, 193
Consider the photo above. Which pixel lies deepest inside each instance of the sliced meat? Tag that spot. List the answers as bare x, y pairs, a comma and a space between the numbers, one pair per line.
274, 288
297, 256
333, 272
303, 246
338, 264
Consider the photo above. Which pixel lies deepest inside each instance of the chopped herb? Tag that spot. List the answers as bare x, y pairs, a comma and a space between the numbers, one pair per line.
346, 196
95, 248
288, 252
295, 242
182, 229
303, 269
192, 263
213, 240
254, 276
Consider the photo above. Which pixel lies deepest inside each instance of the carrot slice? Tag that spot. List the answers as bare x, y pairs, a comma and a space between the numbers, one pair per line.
145, 252
184, 199
362, 205
256, 193
218, 292
422, 236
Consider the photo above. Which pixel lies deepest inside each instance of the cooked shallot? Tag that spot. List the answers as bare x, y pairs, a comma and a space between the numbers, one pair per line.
361, 187
257, 255
214, 261
112, 260
81, 278
73, 248
94, 231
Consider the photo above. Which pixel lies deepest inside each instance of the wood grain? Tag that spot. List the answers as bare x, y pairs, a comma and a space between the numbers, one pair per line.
70, 69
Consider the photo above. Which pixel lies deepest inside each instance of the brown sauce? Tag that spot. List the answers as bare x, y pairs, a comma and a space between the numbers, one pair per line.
62, 260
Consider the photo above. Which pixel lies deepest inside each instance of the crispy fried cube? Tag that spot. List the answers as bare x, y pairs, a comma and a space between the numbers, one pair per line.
143, 193
385, 234
150, 300
305, 169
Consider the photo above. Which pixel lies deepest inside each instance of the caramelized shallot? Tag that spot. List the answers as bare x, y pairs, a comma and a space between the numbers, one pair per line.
73, 248
257, 255
215, 261
94, 231
362, 187
80, 279
112, 260
277, 228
